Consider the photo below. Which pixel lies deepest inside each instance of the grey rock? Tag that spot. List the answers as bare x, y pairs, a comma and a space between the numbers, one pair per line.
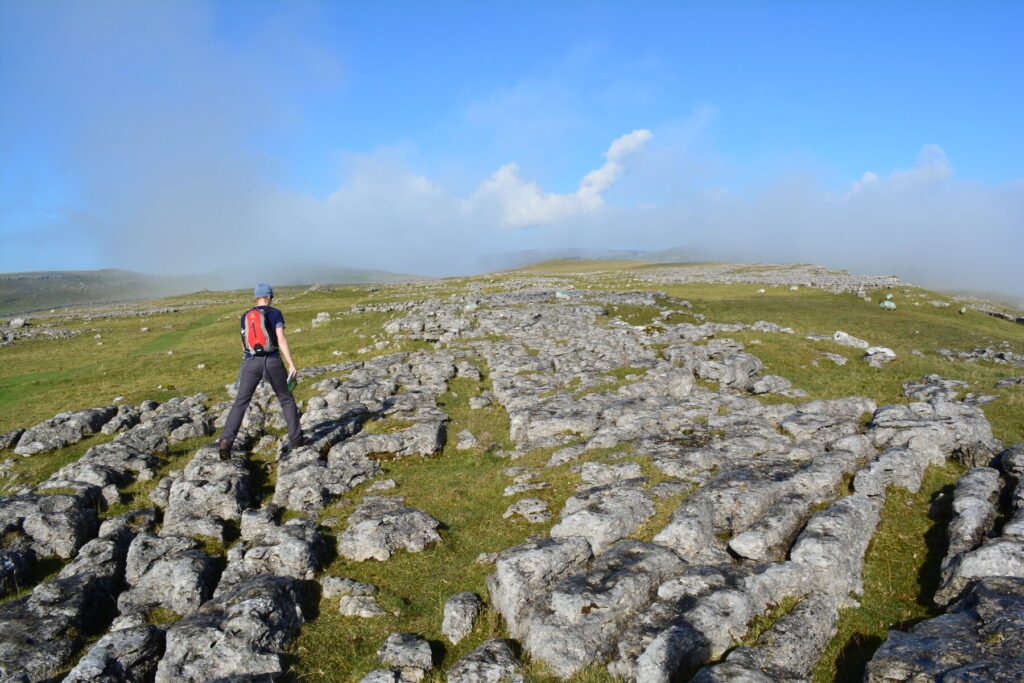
336, 586
974, 509
127, 655
894, 467
294, 549
208, 494
845, 339
406, 651
567, 454
460, 611
771, 384
481, 401
933, 388
305, 483
679, 647
242, 632
833, 543
599, 473
392, 675
579, 623
39, 633
468, 370
999, 557
465, 440
936, 427
359, 606
981, 638
16, 560
604, 514
977, 453
878, 356
732, 671
1011, 461
836, 358
524, 572
381, 525
533, 510
735, 372
771, 535
792, 646
63, 430
516, 489
169, 572
8, 439
493, 661
57, 524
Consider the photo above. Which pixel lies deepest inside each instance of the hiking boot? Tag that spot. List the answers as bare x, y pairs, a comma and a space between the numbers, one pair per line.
224, 449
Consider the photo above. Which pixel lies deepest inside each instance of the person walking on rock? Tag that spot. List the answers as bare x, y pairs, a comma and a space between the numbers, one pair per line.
264, 342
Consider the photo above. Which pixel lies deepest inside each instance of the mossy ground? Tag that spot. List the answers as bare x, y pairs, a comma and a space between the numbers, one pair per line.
463, 489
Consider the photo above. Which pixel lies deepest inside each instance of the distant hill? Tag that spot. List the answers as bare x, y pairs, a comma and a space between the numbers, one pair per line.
510, 260
44, 290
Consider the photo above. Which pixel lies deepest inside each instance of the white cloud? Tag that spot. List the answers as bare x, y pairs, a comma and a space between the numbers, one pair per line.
522, 204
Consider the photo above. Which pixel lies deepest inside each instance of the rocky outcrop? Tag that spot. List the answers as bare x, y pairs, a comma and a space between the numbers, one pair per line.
63, 430
241, 633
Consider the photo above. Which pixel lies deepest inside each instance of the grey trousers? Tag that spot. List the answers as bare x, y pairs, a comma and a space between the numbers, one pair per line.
253, 370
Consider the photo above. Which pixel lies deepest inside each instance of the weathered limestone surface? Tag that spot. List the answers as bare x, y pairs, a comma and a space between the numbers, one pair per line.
242, 632
761, 505
493, 661
381, 525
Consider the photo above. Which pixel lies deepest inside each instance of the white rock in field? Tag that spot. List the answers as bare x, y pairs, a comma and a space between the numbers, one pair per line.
840, 337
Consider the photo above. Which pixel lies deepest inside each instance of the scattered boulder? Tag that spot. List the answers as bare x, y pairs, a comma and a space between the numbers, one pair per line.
407, 652
878, 356
533, 510
460, 611
840, 337
493, 661
381, 525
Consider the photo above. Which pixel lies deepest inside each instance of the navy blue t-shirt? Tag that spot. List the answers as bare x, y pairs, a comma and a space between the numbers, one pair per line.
275, 321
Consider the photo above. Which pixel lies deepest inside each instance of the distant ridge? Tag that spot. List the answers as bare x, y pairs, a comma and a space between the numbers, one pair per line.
44, 290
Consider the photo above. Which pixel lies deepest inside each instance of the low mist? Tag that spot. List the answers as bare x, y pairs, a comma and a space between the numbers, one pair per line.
175, 176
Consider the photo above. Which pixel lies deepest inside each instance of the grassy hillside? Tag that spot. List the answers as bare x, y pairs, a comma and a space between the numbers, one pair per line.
44, 290
40, 378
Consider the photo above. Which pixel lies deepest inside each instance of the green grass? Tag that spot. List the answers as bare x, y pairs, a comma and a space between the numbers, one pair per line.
901, 574
463, 489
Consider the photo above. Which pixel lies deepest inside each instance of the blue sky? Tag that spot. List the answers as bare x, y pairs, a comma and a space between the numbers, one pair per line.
416, 136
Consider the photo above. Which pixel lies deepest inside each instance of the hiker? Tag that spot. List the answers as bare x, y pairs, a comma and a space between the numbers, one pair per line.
264, 342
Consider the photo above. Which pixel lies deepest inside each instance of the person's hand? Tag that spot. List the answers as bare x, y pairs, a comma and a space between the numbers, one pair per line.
292, 372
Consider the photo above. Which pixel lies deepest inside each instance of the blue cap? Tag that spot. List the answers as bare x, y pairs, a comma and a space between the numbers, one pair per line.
262, 290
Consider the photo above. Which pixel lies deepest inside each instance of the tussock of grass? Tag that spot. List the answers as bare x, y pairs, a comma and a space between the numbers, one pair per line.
763, 622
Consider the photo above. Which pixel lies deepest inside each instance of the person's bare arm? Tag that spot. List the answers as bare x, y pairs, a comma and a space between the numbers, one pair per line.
282, 341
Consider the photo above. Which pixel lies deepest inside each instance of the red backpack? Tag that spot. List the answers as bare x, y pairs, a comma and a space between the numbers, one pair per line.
257, 337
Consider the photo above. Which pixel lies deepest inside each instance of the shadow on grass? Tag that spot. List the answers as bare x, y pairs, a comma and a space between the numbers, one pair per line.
854, 656
859, 648
41, 570
936, 542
